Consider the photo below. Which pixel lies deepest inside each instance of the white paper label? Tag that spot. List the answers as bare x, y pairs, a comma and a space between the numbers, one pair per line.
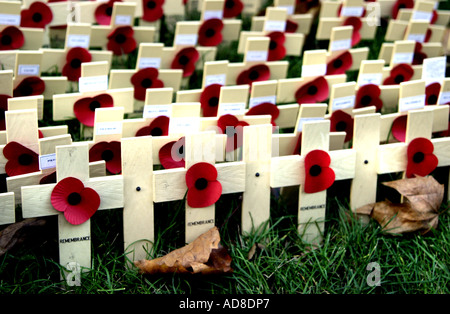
186, 39
108, 128
352, 11
279, 26
289, 8
10, 19
184, 125
314, 70
259, 100
207, 15
215, 79
92, 83
444, 98
123, 20
78, 41
303, 120
344, 102
256, 55
403, 57
343, 44
28, 69
411, 103
370, 78
417, 37
421, 15
149, 63
153, 111
231, 108
47, 161
433, 70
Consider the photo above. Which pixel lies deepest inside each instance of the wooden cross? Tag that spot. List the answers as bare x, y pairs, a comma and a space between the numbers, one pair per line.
74, 240
7, 208
424, 10
290, 171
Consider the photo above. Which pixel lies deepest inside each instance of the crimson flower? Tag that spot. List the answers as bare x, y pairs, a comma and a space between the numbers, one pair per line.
104, 11
421, 160
277, 51
3, 108
356, 23
84, 108
291, 26
232, 8
265, 108
77, 202
110, 152
314, 91
29, 86
342, 122
121, 40
399, 128
401, 4
369, 95
203, 188
318, 174
209, 100
143, 79
38, 15
185, 60
402, 72
75, 56
11, 38
158, 127
21, 159
171, 155
419, 55
432, 92
153, 10
256, 73
210, 33
340, 64
233, 128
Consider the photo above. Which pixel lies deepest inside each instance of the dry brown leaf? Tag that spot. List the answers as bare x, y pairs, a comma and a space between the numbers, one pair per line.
204, 255
419, 212
16, 233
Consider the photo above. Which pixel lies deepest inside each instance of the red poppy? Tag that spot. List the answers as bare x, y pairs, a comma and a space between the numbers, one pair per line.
3, 108
428, 35
401, 4
21, 159
402, 72
143, 79
29, 86
232, 8
203, 188
419, 55
38, 15
233, 128
356, 23
171, 155
103, 12
185, 60
265, 108
11, 38
158, 127
421, 160
399, 128
291, 26
210, 33
75, 56
121, 40
432, 92
77, 202
153, 10
209, 100
84, 108
50, 178
340, 64
256, 73
369, 95
342, 122
110, 152
434, 17
277, 51
318, 174
315, 91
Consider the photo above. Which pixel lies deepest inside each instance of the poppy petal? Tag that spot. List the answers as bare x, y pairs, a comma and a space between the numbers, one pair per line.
432, 92
340, 64
421, 160
206, 197
210, 33
314, 91
185, 60
29, 86
110, 152
84, 108
318, 175
209, 100
171, 155
153, 10
11, 38
200, 170
158, 127
232, 8
399, 128
21, 160
340, 121
266, 108
256, 73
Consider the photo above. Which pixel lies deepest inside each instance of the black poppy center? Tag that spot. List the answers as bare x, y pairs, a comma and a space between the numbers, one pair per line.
75, 63
432, 99
365, 100
418, 157
25, 159
315, 170
337, 63
151, 5
108, 11
399, 78
213, 102
229, 4
273, 45
74, 198
26, 90
312, 90
120, 38
157, 131
402, 6
183, 60
201, 184
210, 32
2, 114
107, 155
181, 151
341, 126
253, 75
37, 17
94, 105
6, 40
146, 83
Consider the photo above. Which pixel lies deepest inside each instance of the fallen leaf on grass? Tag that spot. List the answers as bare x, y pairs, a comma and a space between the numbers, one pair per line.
419, 212
16, 233
204, 255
